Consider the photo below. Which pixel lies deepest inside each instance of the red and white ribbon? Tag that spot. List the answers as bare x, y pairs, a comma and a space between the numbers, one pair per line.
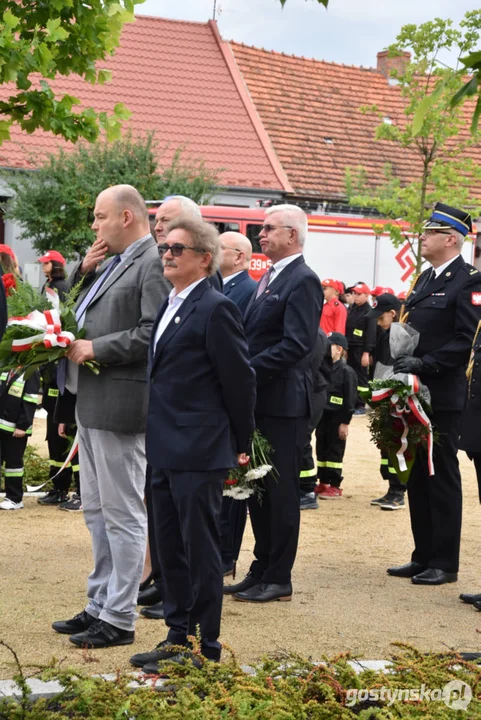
400, 410
47, 324
71, 454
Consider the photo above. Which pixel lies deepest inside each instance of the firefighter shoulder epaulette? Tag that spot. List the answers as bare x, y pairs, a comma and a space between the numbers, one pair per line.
470, 269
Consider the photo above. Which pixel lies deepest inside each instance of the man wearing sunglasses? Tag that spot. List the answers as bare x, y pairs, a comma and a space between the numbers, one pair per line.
199, 424
445, 307
281, 324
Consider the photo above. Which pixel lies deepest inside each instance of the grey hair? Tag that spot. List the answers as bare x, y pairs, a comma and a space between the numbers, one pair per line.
204, 236
459, 239
293, 215
188, 207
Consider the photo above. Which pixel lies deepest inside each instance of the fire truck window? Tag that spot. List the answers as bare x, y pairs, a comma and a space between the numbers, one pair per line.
252, 232
223, 227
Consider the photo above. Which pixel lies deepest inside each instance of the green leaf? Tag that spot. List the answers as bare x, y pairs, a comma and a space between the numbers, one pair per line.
4, 130
476, 114
466, 91
104, 76
10, 20
423, 107
55, 32
121, 111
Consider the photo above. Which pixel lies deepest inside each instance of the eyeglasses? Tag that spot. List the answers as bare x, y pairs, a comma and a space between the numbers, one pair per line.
176, 249
429, 232
268, 228
224, 247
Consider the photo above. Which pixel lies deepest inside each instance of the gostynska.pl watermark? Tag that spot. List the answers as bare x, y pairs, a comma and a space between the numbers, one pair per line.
455, 694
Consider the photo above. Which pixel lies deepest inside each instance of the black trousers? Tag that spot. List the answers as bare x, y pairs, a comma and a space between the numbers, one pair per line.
388, 473
187, 530
435, 502
233, 518
330, 450
276, 517
354, 360
12, 450
154, 556
58, 448
308, 474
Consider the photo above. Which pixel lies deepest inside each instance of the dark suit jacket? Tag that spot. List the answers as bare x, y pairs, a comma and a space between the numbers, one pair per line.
240, 290
202, 388
281, 327
446, 314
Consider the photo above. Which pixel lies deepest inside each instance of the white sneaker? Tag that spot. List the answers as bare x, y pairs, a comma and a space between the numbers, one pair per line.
10, 505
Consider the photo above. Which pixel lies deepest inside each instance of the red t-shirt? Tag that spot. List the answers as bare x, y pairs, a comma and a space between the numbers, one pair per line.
334, 315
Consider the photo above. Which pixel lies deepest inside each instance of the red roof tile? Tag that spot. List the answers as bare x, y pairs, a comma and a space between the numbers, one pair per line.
311, 112
180, 79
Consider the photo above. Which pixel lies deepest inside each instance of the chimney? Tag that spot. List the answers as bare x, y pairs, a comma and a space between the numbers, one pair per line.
386, 64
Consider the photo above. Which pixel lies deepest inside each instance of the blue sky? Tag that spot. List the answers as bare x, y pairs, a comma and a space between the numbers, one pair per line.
350, 31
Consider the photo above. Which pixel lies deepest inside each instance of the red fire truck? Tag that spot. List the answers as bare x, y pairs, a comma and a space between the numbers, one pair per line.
340, 246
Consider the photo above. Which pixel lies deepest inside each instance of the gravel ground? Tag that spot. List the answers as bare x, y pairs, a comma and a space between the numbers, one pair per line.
343, 600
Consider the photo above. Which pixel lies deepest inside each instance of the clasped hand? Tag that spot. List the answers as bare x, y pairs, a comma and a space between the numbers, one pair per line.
408, 364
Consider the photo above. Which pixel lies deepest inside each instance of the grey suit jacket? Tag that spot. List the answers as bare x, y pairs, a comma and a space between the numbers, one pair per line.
119, 321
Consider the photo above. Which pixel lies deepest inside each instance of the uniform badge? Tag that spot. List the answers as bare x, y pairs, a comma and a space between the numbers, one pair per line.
374, 303
476, 298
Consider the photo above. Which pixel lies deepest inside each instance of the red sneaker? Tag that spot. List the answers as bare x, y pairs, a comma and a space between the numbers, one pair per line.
331, 493
321, 488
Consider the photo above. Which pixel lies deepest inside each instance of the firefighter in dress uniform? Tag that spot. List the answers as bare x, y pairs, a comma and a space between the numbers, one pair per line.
361, 339
445, 307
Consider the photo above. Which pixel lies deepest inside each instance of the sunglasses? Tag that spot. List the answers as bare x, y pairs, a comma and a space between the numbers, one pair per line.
268, 228
176, 249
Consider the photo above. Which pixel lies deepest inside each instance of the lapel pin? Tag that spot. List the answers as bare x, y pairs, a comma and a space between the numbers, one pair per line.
448, 274
177, 320
267, 291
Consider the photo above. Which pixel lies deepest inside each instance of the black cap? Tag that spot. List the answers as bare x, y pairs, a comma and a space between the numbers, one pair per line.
383, 304
336, 338
445, 216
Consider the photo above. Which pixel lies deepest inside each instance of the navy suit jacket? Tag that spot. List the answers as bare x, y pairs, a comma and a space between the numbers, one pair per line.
202, 387
281, 327
240, 290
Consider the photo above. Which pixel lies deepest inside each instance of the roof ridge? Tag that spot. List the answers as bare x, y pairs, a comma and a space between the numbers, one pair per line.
300, 57
139, 16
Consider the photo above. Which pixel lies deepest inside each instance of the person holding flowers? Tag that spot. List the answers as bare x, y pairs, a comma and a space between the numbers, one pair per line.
445, 308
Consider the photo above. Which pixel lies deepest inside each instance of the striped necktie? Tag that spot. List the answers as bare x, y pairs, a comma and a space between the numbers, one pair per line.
264, 281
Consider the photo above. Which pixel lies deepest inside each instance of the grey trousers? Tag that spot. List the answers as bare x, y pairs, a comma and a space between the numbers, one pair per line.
112, 485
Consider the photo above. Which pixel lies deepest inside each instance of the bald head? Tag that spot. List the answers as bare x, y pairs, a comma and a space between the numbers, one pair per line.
236, 253
174, 208
121, 217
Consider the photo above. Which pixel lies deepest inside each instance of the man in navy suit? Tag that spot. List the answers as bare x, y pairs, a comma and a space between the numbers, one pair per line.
281, 324
199, 424
235, 260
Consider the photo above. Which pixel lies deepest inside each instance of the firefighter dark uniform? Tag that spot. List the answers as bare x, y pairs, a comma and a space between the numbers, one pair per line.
330, 449
18, 402
361, 338
445, 310
321, 367
58, 447
470, 438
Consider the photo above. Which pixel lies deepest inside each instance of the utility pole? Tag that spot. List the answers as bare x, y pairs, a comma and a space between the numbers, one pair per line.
214, 11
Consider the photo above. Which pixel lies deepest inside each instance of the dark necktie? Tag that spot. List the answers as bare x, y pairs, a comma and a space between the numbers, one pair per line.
264, 282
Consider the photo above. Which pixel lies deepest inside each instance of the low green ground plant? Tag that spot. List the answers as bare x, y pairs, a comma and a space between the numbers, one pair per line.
279, 687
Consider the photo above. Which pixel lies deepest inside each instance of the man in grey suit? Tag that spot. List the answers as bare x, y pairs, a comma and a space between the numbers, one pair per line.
117, 307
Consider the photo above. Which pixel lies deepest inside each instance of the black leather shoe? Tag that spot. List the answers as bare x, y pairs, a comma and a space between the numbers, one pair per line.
406, 571
101, 635
182, 658
77, 624
164, 651
154, 612
144, 585
228, 569
433, 576
249, 581
265, 592
470, 599
149, 597
477, 604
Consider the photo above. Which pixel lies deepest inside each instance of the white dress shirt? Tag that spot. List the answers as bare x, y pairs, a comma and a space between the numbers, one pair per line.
279, 266
443, 267
231, 277
175, 301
